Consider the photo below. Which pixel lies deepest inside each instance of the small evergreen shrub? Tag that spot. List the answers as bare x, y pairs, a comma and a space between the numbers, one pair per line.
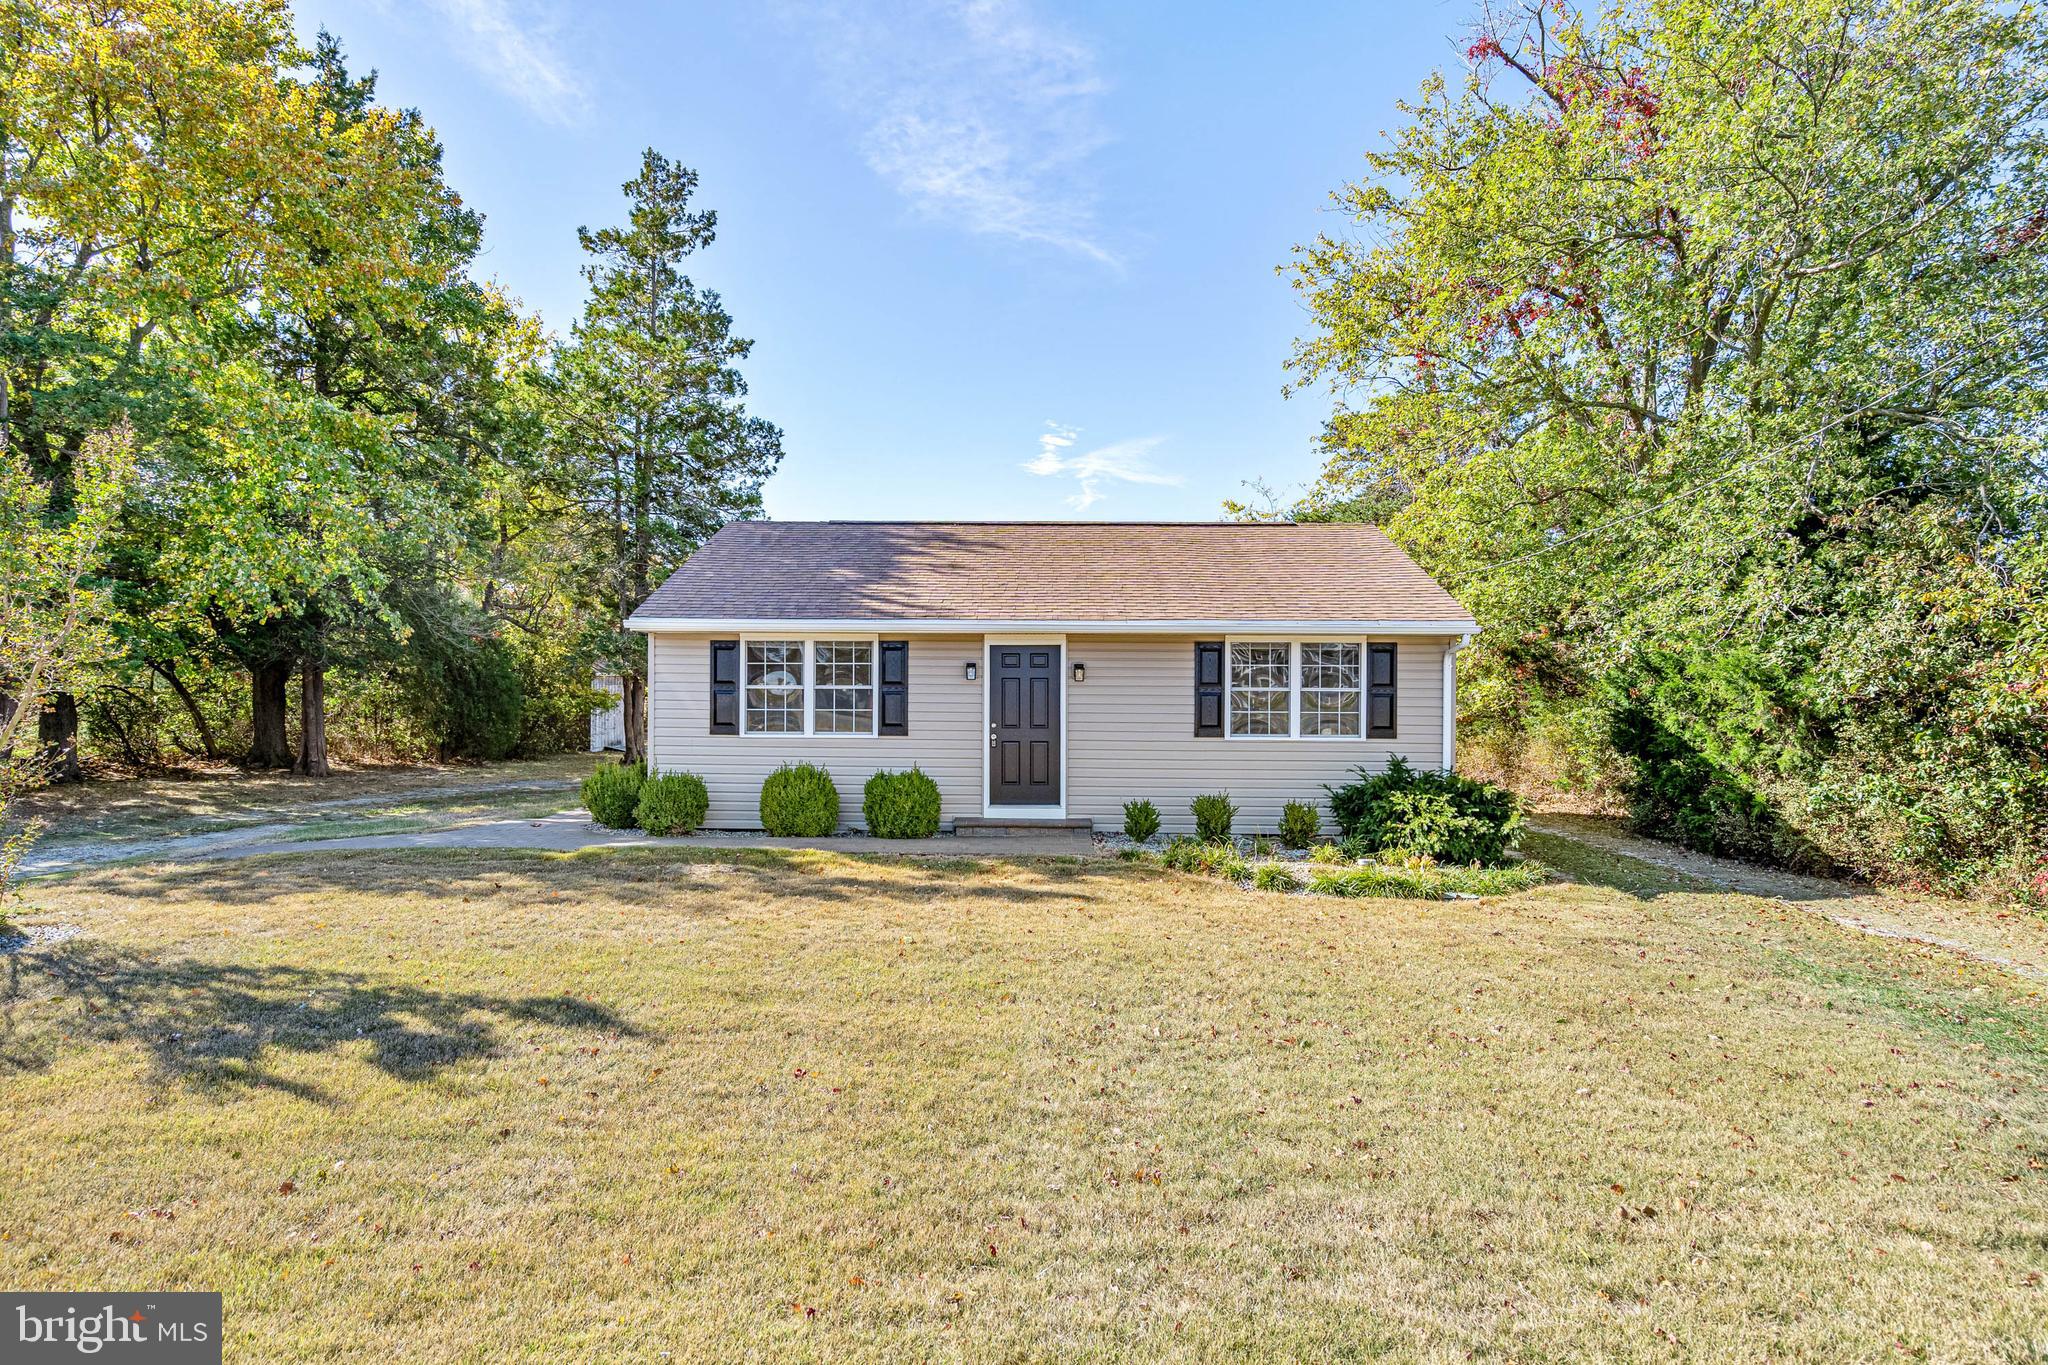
1299, 824
1262, 847
1449, 817
798, 801
1141, 820
673, 803
901, 805
612, 794
1213, 814
1273, 877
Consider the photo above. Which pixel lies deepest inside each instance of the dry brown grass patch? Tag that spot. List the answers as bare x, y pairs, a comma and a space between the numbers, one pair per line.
809, 1106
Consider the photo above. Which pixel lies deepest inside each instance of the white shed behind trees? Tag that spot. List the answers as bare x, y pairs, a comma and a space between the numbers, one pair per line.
608, 723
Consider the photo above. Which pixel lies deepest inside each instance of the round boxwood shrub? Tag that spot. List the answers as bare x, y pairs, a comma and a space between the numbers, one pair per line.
799, 801
612, 794
901, 805
672, 804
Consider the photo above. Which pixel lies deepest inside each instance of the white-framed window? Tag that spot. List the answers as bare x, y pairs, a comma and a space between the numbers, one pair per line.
807, 686
843, 695
1260, 675
1331, 685
1296, 689
774, 685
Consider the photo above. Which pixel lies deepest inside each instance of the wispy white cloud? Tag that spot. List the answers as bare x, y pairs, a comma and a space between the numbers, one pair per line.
976, 111
1128, 461
514, 46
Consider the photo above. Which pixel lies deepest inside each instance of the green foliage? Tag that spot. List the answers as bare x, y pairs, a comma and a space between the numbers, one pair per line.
469, 693
612, 794
1207, 859
1328, 853
1299, 824
1273, 877
1213, 814
1141, 820
901, 805
1677, 793
1426, 883
554, 682
648, 411
673, 803
1726, 424
799, 801
1445, 816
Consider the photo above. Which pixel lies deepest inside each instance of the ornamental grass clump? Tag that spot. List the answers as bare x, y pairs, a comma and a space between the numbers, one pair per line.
1273, 877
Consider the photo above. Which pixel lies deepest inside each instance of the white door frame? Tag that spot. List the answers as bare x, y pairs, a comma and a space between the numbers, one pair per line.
988, 680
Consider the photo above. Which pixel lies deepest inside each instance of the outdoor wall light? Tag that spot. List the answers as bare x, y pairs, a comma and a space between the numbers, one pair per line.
973, 672
1080, 673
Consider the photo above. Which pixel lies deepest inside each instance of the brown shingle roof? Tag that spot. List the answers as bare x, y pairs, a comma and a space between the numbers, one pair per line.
1050, 571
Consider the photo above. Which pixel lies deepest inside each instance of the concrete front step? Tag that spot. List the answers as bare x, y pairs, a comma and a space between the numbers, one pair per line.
975, 826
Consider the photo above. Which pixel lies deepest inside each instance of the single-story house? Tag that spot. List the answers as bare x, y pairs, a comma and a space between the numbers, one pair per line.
1050, 671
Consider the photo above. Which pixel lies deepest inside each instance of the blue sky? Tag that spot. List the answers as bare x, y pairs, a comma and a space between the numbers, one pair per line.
999, 258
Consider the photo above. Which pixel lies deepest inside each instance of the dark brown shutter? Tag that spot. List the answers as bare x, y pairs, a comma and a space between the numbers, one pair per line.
1379, 691
725, 687
894, 693
1209, 688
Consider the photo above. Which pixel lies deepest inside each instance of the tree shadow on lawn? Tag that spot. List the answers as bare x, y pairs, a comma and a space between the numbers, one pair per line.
213, 1023
667, 878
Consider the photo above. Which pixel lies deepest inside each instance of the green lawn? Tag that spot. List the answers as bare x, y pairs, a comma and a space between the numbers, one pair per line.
799, 1106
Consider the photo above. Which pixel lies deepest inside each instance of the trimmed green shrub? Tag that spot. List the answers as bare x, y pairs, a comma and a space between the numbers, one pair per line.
673, 803
1273, 877
1445, 816
612, 794
1141, 820
901, 805
1299, 824
1213, 815
799, 801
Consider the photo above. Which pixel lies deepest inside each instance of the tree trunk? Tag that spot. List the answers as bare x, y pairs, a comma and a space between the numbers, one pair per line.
633, 698
269, 747
312, 716
57, 729
191, 703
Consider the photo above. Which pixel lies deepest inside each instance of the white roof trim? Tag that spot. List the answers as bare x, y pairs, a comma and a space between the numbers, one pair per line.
873, 625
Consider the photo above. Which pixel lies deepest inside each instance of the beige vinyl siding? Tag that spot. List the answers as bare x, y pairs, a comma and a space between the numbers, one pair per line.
1130, 733
945, 738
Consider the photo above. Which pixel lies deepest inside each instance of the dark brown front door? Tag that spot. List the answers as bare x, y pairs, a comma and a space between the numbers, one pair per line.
1024, 725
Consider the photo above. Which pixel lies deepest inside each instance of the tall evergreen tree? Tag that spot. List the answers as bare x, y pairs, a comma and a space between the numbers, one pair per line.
653, 431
